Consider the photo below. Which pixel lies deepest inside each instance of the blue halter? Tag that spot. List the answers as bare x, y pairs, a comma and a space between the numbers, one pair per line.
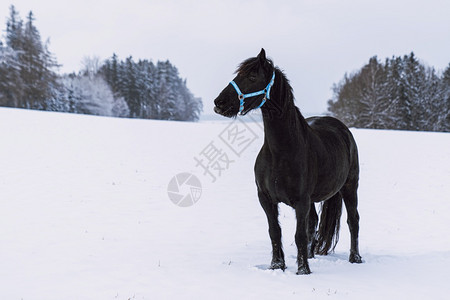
242, 96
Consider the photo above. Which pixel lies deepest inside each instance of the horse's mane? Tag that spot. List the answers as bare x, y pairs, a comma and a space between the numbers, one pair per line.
251, 64
282, 89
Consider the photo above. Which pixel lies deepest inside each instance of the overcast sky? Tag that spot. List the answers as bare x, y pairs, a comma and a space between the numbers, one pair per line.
315, 41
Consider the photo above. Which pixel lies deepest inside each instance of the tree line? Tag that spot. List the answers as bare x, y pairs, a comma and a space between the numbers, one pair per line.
119, 88
399, 93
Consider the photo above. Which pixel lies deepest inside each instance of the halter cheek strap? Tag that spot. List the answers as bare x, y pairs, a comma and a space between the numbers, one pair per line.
242, 96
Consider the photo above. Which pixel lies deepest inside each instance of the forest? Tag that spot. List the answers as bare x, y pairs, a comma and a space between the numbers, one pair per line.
120, 88
399, 93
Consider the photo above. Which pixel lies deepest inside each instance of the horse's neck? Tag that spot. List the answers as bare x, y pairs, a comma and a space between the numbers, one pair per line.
285, 132
284, 126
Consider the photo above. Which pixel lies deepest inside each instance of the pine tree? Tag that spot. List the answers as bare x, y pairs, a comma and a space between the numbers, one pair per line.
14, 30
372, 100
130, 89
444, 104
33, 65
167, 86
414, 83
146, 86
38, 82
400, 108
11, 84
110, 72
41, 82
431, 99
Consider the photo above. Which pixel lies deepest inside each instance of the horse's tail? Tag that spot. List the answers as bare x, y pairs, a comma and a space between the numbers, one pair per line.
328, 233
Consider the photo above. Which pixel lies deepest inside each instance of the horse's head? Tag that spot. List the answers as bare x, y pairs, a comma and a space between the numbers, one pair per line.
249, 89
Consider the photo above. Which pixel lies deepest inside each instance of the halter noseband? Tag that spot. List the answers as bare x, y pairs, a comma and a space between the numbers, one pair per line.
242, 96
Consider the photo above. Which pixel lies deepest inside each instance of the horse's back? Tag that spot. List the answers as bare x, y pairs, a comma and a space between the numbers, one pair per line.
326, 124
331, 130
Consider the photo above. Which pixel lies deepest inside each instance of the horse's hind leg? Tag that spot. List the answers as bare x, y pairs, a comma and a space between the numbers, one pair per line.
271, 211
349, 192
312, 225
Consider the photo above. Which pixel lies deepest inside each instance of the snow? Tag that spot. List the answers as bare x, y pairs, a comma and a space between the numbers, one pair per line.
85, 214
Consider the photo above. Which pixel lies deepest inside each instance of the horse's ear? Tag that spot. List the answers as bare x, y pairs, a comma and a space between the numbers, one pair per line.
262, 57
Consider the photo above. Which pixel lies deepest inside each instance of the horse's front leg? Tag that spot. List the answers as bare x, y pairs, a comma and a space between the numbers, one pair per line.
271, 210
301, 236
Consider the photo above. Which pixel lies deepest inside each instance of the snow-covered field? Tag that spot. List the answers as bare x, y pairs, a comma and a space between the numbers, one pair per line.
85, 214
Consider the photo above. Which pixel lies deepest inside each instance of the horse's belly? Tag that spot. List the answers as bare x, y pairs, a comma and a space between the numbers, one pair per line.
319, 197
327, 188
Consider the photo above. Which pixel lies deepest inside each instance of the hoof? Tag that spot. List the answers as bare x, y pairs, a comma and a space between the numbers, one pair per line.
303, 270
277, 265
355, 258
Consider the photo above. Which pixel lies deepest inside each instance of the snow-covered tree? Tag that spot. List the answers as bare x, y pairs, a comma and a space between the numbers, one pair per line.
118, 88
33, 60
91, 65
151, 91
401, 93
11, 84
89, 95
120, 108
14, 30
443, 120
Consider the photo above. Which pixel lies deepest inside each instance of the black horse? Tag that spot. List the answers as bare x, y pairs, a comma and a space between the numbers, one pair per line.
300, 163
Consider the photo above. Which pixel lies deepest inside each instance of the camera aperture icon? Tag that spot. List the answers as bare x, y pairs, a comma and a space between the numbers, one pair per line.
184, 189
